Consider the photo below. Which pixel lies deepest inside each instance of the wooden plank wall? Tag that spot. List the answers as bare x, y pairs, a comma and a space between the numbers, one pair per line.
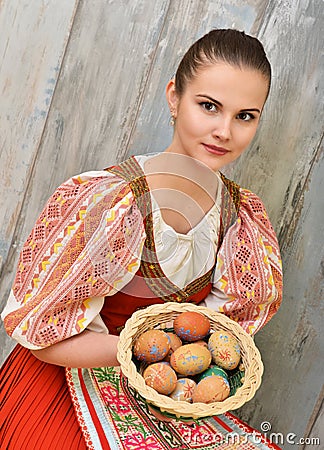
82, 86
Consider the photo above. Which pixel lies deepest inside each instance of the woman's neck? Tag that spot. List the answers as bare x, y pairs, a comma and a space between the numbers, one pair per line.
184, 189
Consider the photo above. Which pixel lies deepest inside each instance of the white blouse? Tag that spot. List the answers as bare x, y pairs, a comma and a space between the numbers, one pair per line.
184, 257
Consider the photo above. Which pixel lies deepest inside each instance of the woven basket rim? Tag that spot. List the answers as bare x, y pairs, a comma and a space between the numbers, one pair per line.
156, 314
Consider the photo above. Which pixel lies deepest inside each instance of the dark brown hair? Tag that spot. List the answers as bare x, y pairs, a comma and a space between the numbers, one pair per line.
231, 46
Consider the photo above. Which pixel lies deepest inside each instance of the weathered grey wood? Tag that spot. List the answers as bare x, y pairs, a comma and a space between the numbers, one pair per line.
32, 44
314, 436
292, 124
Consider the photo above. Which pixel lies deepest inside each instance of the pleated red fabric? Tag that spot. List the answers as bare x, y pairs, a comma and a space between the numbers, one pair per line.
36, 411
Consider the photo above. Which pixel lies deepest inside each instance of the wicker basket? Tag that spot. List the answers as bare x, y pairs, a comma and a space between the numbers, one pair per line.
160, 316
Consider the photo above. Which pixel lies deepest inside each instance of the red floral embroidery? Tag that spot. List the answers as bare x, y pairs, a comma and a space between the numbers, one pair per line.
138, 442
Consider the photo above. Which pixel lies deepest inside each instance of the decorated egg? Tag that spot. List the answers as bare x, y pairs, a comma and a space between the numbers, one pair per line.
211, 389
213, 371
183, 390
175, 342
225, 349
191, 326
190, 359
161, 377
152, 346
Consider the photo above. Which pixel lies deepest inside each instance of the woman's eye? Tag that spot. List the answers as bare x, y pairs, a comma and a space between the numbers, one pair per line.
208, 106
245, 116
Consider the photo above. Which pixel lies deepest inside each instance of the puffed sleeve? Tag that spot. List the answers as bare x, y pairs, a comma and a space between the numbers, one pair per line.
247, 281
86, 244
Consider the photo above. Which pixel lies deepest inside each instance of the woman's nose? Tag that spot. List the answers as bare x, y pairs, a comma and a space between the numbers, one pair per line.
222, 128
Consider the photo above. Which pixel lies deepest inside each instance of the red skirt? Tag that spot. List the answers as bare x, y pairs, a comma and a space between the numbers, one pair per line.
36, 411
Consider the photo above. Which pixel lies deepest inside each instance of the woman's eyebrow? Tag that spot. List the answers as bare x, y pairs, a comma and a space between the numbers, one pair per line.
210, 98
220, 104
251, 109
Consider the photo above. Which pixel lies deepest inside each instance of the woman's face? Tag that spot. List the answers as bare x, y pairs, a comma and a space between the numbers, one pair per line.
218, 113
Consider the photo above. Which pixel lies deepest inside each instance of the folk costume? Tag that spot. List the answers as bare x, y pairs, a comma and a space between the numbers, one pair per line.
99, 251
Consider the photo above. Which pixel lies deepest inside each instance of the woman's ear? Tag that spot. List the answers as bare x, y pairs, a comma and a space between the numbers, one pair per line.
172, 98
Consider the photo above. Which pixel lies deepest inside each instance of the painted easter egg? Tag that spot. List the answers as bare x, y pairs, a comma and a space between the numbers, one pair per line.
190, 359
152, 346
175, 342
161, 377
191, 326
225, 349
183, 390
213, 371
211, 389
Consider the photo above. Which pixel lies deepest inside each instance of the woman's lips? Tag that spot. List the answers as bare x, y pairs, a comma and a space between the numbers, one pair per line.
216, 150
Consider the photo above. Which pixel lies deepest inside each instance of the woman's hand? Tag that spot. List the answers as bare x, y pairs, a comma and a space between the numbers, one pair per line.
88, 349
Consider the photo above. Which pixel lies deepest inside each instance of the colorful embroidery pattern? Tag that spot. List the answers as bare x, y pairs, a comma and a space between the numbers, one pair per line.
129, 424
249, 269
77, 252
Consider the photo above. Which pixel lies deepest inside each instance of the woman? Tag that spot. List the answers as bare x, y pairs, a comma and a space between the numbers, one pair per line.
160, 227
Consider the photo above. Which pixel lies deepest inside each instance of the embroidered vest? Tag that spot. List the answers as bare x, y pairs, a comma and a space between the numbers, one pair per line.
150, 285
